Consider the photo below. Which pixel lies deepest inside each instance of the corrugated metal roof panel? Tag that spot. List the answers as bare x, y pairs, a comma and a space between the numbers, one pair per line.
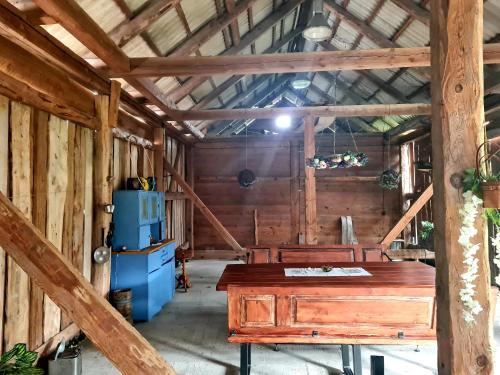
261, 9
202, 90
220, 78
361, 9
135, 4
185, 103
67, 39
243, 25
264, 42
137, 47
389, 19
198, 12
214, 46
167, 31
416, 35
104, 12
166, 84
491, 19
228, 94
289, 22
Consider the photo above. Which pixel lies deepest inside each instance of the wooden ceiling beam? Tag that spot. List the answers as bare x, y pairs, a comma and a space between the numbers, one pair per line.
363, 28
40, 43
368, 110
389, 58
247, 40
76, 21
130, 28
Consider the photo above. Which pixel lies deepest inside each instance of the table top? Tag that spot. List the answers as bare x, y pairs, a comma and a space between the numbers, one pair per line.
147, 250
387, 274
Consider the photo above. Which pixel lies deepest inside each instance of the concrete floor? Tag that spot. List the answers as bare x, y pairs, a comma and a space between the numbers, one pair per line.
190, 333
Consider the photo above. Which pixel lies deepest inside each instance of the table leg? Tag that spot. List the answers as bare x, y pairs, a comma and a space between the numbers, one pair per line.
346, 361
356, 356
245, 354
377, 365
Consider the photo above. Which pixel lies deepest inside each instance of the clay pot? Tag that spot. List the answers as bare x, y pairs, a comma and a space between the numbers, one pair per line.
491, 194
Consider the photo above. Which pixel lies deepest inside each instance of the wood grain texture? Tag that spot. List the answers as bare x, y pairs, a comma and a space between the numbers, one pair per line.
159, 150
384, 58
265, 306
57, 176
102, 324
223, 232
16, 324
74, 19
67, 240
40, 191
102, 189
311, 229
363, 110
4, 185
408, 216
20, 70
279, 169
88, 203
457, 130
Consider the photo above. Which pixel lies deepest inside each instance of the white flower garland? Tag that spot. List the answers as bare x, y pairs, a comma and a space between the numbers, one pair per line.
496, 244
468, 214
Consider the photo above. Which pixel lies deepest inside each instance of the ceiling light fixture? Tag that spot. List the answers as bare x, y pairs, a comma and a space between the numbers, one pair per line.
317, 29
301, 81
283, 121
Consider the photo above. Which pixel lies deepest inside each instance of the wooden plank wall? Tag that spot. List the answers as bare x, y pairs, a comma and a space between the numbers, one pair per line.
176, 209
278, 193
46, 169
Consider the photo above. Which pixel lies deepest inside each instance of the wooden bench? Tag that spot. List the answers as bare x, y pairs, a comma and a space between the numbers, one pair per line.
316, 253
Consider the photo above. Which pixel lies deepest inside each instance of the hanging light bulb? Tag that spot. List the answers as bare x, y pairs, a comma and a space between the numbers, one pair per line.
301, 81
317, 29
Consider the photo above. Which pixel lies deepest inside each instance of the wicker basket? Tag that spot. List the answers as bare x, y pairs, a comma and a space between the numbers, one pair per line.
491, 194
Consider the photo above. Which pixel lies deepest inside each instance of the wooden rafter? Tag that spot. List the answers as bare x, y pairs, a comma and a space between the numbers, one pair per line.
213, 27
248, 39
75, 20
290, 63
368, 110
235, 30
130, 28
415, 10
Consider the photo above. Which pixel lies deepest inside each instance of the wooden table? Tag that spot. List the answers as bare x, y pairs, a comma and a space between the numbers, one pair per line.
396, 305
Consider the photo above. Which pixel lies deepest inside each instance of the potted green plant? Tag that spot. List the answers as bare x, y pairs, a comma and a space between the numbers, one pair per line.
19, 361
426, 234
489, 181
389, 179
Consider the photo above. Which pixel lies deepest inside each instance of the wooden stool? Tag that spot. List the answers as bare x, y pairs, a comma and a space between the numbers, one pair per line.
183, 280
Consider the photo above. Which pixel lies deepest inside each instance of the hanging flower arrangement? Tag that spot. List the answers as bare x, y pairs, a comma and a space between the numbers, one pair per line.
389, 179
468, 215
348, 159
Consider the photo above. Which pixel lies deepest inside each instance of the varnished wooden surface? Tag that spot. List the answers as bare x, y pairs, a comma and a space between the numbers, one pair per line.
393, 274
149, 250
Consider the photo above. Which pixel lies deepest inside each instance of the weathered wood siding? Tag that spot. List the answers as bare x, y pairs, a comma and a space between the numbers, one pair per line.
45, 169
278, 194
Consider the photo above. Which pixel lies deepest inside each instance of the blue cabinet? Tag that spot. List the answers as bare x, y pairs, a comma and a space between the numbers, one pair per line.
138, 218
150, 274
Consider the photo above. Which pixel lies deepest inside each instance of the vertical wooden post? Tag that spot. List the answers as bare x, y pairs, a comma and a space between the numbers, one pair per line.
310, 183
294, 192
189, 203
102, 192
4, 187
159, 145
457, 130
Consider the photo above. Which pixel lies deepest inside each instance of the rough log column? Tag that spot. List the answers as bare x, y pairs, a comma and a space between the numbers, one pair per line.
457, 129
102, 192
310, 183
